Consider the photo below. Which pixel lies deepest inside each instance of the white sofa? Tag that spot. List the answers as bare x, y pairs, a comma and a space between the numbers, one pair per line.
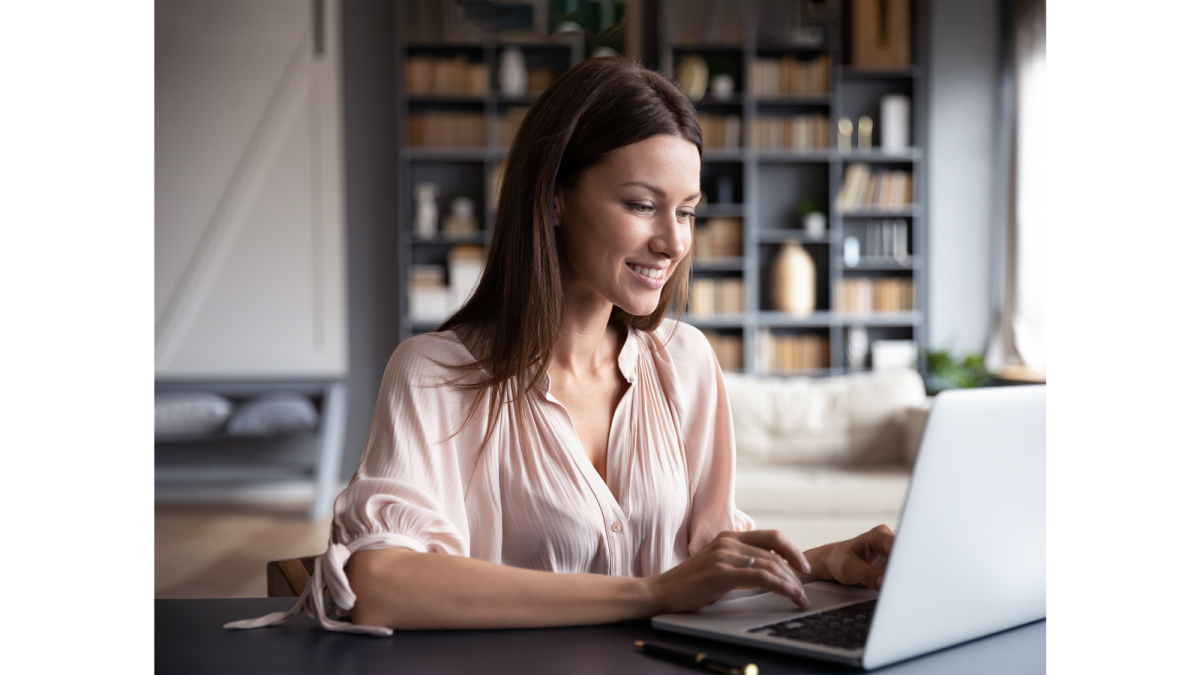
825, 459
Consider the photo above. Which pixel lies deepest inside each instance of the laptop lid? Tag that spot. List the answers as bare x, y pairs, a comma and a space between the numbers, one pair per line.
971, 559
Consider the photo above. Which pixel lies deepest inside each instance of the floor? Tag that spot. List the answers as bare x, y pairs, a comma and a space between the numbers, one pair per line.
222, 551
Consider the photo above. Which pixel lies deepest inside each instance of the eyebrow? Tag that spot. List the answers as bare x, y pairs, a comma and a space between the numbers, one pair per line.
658, 191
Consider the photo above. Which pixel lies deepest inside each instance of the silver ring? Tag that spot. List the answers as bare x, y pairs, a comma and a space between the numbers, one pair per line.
750, 562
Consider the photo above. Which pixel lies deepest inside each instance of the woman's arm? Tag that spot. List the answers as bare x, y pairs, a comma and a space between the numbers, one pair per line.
404, 589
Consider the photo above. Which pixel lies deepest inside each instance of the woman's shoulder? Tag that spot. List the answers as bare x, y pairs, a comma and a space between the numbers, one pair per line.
429, 358
683, 342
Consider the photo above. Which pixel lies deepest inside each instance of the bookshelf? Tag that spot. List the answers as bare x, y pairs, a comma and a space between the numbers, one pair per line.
460, 160
770, 180
758, 186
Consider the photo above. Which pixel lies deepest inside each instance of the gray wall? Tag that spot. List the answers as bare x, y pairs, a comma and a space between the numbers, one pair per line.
964, 72
370, 119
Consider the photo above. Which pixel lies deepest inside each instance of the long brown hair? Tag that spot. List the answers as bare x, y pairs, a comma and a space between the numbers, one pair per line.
596, 107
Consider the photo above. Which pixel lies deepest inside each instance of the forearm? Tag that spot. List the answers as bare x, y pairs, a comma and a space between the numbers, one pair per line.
403, 589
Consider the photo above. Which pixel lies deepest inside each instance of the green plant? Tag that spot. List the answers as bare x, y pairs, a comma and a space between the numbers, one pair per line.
949, 373
806, 206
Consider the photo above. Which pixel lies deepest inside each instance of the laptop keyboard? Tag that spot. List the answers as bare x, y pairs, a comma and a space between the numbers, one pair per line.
845, 627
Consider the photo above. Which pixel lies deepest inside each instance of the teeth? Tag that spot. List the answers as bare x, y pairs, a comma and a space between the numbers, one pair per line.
647, 272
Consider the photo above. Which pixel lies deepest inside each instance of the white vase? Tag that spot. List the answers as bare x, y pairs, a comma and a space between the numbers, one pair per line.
513, 76
794, 280
426, 217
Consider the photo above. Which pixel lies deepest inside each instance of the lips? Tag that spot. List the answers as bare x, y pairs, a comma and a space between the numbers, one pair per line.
648, 272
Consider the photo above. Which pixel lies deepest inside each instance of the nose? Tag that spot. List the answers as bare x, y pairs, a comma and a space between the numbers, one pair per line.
672, 238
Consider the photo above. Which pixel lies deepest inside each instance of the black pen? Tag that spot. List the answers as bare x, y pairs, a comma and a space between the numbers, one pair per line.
699, 659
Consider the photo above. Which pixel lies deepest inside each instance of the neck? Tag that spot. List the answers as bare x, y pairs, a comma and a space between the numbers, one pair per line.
586, 345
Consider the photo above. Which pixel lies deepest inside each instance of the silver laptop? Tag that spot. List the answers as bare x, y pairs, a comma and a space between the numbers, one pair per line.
969, 557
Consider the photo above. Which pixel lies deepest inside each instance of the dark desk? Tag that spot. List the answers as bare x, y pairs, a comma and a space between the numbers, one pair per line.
188, 638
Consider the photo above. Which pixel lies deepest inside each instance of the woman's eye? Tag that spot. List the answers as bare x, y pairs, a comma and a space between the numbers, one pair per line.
640, 208
686, 215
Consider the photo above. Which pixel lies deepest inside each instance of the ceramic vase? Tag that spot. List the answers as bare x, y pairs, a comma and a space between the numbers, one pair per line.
794, 280
513, 76
426, 217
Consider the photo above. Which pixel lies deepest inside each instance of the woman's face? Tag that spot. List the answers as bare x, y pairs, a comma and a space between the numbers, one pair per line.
628, 223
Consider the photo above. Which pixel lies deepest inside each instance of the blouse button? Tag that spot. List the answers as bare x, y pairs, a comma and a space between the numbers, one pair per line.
616, 526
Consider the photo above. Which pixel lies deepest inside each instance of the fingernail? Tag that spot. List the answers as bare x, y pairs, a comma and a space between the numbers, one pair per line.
806, 567
803, 598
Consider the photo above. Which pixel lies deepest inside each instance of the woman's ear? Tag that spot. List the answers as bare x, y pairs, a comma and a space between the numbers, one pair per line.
559, 207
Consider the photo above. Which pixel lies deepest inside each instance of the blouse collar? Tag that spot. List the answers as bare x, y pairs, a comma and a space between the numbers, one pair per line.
627, 360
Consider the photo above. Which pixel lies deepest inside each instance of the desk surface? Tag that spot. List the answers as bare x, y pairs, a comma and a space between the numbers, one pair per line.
188, 638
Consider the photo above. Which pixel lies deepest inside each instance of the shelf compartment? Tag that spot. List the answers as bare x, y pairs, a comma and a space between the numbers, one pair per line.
729, 264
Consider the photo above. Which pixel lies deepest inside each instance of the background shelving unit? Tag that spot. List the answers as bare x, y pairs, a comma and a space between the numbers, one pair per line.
774, 180
766, 184
464, 171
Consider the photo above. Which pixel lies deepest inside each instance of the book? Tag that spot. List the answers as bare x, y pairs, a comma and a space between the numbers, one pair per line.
882, 189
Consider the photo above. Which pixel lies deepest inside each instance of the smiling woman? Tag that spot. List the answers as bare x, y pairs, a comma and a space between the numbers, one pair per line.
560, 452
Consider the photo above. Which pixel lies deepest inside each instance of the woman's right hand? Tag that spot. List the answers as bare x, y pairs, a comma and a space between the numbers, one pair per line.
721, 567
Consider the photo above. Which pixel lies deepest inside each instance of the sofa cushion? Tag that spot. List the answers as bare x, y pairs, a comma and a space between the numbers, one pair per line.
821, 490
855, 419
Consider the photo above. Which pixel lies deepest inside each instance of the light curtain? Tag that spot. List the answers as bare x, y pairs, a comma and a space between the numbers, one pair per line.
1017, 346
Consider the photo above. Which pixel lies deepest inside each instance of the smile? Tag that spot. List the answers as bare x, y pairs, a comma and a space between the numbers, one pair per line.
646, 271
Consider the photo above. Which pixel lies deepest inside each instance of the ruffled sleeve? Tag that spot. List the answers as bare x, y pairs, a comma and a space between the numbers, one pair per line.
408, 491
706, 426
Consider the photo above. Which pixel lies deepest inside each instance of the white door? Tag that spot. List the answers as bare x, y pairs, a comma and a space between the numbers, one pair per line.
250, 279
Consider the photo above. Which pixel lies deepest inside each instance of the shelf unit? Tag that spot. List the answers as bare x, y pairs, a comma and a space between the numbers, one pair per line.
774, 180
767, 183
462, 171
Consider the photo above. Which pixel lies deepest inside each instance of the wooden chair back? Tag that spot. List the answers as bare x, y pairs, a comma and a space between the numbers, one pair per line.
287, 578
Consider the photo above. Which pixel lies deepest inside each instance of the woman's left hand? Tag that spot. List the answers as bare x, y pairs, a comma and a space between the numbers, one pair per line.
857, 561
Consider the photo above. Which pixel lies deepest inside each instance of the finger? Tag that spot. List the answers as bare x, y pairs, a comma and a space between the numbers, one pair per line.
881, 538
757, 577
773, 540
848, 568
775, 564
763, 557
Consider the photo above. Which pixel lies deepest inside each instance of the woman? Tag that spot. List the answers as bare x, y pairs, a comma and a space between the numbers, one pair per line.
559, 452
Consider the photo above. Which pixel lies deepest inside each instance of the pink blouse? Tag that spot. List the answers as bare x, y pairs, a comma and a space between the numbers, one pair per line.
540, 505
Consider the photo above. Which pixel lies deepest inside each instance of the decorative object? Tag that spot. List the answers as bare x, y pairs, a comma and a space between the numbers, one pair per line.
466, 265
857, 346
425, 220
850, 252
845, 130
811, 216
461, 221
721, 87
794, 280
894, 114
513, 76
603, 51
893, 354
881, 34
274, 414
865, 126
692, 76
814, 224
189, 413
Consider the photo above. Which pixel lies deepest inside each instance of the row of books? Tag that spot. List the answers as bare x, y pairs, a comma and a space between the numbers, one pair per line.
795, 132
865, 295
782, 352
446, 129
721, 131
878, 189
790, 77
430, 298
728, 349
429, 75
717, 238
509, 123
708, 296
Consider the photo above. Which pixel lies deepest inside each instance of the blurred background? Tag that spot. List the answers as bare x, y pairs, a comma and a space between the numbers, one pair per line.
327, 172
